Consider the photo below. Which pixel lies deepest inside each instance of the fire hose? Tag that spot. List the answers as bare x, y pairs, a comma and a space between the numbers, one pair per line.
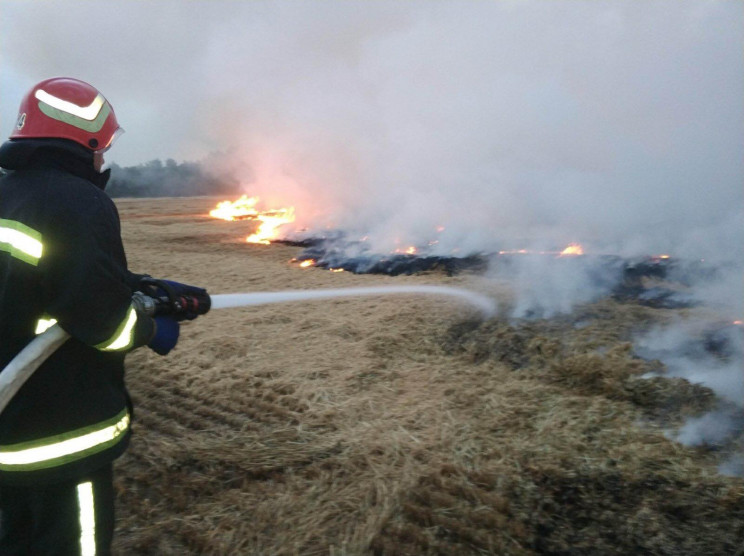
23, 365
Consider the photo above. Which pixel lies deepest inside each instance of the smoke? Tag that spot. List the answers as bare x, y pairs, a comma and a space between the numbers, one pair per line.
715, 427
710, 353
497, 125
546, 285
613, 124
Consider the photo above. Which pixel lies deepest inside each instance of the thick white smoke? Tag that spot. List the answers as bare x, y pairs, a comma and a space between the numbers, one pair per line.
614, 124
500, 125
712, 354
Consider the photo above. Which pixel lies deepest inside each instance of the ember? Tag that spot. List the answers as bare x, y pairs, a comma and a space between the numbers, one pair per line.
657, 281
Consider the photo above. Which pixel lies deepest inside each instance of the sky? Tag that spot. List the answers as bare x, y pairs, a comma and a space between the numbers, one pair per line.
616, 124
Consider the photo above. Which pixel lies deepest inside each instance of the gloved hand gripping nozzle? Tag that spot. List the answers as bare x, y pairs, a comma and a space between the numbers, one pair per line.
167, 298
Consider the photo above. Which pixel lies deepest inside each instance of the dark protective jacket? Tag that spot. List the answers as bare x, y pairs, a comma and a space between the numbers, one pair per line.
61, 258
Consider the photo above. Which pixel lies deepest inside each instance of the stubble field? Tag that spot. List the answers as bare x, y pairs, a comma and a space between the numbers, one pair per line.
401, 424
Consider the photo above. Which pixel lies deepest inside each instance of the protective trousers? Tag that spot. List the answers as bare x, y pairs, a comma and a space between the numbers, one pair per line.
66, 519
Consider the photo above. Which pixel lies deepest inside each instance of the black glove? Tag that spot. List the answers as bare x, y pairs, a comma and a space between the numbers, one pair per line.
184, 301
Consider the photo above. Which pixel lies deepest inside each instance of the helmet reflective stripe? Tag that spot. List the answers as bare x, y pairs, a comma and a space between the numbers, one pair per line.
20, 241
44, 324
92, 126
124, 335
87, 518
64, 448
89, 112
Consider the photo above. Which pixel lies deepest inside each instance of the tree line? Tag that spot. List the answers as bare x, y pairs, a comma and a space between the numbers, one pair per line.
169, 179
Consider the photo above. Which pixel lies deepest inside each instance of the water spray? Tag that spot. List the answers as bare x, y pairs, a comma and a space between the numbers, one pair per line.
23, 365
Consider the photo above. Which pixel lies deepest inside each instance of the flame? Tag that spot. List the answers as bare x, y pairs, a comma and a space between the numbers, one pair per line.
307, 263
245, 209
270, 222
242, 208
738, 322
572, 249
408, 250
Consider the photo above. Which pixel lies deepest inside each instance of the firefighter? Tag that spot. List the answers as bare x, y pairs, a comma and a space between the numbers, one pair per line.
62, 260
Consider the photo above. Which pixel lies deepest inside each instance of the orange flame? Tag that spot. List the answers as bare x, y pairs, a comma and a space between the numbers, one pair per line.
241, 209
572, 249
307, 263
270, 222
245, 209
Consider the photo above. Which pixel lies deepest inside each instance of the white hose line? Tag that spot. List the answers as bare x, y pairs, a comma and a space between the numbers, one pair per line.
224, 301
23, 365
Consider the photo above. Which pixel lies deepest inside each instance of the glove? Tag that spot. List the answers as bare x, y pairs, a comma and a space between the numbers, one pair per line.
171, 290
167, 330
182, 289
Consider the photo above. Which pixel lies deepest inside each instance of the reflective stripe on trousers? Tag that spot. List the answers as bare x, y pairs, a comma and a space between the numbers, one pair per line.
87, 518
64, 448
72, 517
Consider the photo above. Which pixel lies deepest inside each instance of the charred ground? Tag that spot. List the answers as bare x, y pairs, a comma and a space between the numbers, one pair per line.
401, 425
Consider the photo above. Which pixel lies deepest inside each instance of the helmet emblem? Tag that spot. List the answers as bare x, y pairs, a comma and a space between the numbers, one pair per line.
21, 121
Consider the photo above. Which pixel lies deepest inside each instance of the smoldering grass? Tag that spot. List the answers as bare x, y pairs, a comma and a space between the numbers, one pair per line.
402, 427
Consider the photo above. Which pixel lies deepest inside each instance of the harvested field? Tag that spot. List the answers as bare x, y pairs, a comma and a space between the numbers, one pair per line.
400, 425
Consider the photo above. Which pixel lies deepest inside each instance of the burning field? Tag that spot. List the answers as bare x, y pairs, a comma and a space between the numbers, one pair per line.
406, 424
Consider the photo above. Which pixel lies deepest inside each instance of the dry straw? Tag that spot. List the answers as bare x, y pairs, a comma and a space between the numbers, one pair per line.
399, 426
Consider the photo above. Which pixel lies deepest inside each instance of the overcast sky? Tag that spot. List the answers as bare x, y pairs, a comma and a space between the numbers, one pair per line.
617, 124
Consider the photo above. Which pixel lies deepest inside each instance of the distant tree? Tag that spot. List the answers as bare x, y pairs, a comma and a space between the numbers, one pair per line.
155, 179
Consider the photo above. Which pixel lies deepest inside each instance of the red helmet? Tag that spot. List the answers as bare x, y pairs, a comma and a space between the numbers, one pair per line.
66, 108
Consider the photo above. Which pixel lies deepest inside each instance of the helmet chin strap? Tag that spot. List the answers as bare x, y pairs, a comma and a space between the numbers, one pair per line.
98, 162
107, 164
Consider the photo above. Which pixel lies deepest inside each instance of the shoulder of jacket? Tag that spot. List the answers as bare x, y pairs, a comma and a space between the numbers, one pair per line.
73, 197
